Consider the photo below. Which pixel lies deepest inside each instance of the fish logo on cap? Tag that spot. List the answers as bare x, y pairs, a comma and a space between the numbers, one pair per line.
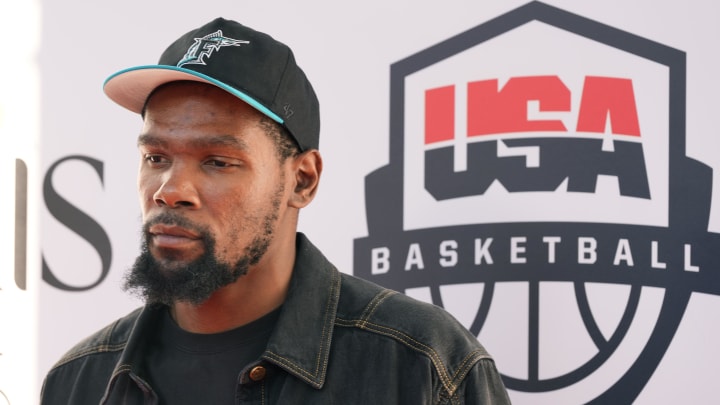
205, 46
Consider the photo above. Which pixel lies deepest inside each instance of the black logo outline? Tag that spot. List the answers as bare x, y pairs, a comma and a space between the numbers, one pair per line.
688, 208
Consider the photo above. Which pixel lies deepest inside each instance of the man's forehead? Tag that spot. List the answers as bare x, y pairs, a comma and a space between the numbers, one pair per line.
183, 105
176, 92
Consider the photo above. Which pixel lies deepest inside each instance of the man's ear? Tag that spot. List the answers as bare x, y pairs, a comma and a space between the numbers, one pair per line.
307, 168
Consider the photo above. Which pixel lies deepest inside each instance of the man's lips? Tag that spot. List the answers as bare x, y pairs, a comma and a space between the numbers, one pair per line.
171, 236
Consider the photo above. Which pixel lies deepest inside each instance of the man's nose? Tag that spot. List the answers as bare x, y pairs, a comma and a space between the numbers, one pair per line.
177, 189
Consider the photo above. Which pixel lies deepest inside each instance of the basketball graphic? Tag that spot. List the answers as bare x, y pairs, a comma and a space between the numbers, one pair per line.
538, 173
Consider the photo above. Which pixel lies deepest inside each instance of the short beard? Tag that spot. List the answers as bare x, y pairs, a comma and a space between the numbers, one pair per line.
195, 282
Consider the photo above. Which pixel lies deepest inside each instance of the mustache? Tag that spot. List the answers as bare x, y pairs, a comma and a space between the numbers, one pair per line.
175, 219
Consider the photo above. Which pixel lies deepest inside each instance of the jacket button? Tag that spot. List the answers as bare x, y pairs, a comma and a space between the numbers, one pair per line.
257, 373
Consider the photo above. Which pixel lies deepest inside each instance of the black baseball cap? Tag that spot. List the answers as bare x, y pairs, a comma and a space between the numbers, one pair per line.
246, 63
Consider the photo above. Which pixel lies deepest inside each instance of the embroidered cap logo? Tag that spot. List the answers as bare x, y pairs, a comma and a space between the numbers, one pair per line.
205, 46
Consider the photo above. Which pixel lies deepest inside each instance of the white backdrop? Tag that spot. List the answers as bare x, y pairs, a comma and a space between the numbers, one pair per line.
346, 49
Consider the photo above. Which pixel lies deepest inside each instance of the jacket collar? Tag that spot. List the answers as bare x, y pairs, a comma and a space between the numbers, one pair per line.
300, 343
131, 365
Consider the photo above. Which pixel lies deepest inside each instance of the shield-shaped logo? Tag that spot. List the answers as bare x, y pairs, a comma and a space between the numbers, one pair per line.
539, 190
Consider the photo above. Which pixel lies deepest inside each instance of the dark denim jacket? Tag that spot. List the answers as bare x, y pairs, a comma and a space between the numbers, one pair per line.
338, 340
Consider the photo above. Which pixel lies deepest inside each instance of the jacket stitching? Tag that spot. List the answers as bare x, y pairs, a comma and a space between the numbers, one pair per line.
450, 383
468, 363
305, 374
375, 303
410, 342
103, 348
328, 314
262, 393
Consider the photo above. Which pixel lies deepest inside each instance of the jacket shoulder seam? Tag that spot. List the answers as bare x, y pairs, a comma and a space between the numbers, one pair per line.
103, 345
89, 351
450, 383
375, 303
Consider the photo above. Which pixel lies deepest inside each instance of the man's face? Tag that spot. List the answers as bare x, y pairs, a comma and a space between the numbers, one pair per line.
212, 192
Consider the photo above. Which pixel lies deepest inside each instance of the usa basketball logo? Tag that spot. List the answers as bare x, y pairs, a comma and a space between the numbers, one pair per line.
539, 189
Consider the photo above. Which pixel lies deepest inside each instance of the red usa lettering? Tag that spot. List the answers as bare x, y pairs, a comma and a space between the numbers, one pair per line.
495, 110
540, 162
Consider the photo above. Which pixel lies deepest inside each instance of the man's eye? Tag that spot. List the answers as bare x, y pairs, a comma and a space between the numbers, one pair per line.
154, 158
220, 163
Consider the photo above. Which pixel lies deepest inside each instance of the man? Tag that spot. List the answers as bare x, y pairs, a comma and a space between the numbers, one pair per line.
240, 308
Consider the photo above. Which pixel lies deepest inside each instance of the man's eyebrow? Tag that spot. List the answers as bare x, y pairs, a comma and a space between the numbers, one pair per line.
205, 142
220, 140
150, 140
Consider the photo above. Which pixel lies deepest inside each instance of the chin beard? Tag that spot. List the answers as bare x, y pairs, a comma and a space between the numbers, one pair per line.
165, 282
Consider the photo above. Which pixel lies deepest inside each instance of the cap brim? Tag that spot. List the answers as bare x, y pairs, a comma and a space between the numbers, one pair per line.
131, 87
